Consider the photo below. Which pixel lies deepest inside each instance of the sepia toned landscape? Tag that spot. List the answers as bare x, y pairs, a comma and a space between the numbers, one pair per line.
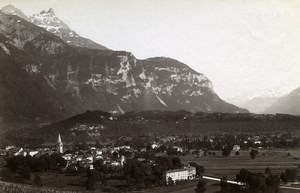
149, 96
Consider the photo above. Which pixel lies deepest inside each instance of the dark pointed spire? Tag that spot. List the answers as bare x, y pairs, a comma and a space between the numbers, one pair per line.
50, 12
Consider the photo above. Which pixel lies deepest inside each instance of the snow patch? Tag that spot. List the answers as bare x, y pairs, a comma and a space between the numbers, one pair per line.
4, 48
176, 77
161, 101
50, 83
32, 68
120, 109
169, 69
124, 71
142, 75
126, 97
136, 92
148, 84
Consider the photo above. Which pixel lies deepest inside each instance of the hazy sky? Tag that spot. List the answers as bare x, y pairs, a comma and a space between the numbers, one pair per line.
245, 47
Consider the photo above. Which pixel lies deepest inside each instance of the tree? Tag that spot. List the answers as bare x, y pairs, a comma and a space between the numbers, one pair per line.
283, 177
176, 162
149, 147
172, 151
136, 171
237, 153
253, 153
224, 185
97, 143
268, 171
201, 186
162, 148
272, 181
292, 174
99, 166
256, 182
226, 151
92, 177
170, 181
115, 155
199, 169
37, 180
25, 172
243, 175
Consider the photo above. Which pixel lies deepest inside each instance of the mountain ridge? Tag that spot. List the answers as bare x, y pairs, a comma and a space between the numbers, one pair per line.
75, 79
49, 21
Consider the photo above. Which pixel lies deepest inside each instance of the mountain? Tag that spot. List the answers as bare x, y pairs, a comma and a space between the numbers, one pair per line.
49, 21
11, 10
259, 104
45, 78
289, 104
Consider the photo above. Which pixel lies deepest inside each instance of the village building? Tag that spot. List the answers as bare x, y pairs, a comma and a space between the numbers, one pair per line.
186, 173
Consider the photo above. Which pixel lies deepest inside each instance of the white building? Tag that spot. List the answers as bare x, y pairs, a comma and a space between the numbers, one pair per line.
187, 173
67, 157
236, 148
32, 153
178, 148
191, 172
154, 146
176, 175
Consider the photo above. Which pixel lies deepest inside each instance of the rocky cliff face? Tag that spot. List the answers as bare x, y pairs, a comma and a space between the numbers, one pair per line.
43, 77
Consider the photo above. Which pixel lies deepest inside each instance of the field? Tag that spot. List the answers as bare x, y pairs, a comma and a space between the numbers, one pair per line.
6, 187
220, 166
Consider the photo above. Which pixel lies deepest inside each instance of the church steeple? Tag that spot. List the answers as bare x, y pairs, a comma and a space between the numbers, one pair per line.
59, 139
59, 144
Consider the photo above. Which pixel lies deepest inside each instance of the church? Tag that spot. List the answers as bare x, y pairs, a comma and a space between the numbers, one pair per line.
59, 145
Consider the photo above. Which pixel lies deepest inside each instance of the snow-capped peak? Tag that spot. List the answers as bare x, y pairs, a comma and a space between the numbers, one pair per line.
49, 12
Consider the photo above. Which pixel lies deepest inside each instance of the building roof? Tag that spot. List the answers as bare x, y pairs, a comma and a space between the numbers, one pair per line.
59, 139
176, 170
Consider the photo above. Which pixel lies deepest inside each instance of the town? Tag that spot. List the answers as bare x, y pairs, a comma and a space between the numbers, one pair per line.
131, 164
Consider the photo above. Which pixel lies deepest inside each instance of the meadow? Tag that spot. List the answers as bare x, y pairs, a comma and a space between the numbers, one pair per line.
219, 166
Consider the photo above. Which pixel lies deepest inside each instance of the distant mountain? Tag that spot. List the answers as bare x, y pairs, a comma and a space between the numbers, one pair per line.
49, 21
289, 104
259, 104
11, 10
43, 77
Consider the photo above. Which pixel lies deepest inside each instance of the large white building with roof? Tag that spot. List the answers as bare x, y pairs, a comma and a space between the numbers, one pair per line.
183, 174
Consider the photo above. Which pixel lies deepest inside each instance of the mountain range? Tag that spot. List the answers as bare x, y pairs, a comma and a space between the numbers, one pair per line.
49, 72
289, 104
259, 104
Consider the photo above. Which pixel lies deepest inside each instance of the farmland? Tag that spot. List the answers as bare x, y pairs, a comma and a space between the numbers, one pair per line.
6, 187
229, 166
220, 166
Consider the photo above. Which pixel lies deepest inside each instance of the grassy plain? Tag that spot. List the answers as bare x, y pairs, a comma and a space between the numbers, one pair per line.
219, 166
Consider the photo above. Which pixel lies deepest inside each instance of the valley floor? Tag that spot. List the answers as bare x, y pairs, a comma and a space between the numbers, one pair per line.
218, 166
